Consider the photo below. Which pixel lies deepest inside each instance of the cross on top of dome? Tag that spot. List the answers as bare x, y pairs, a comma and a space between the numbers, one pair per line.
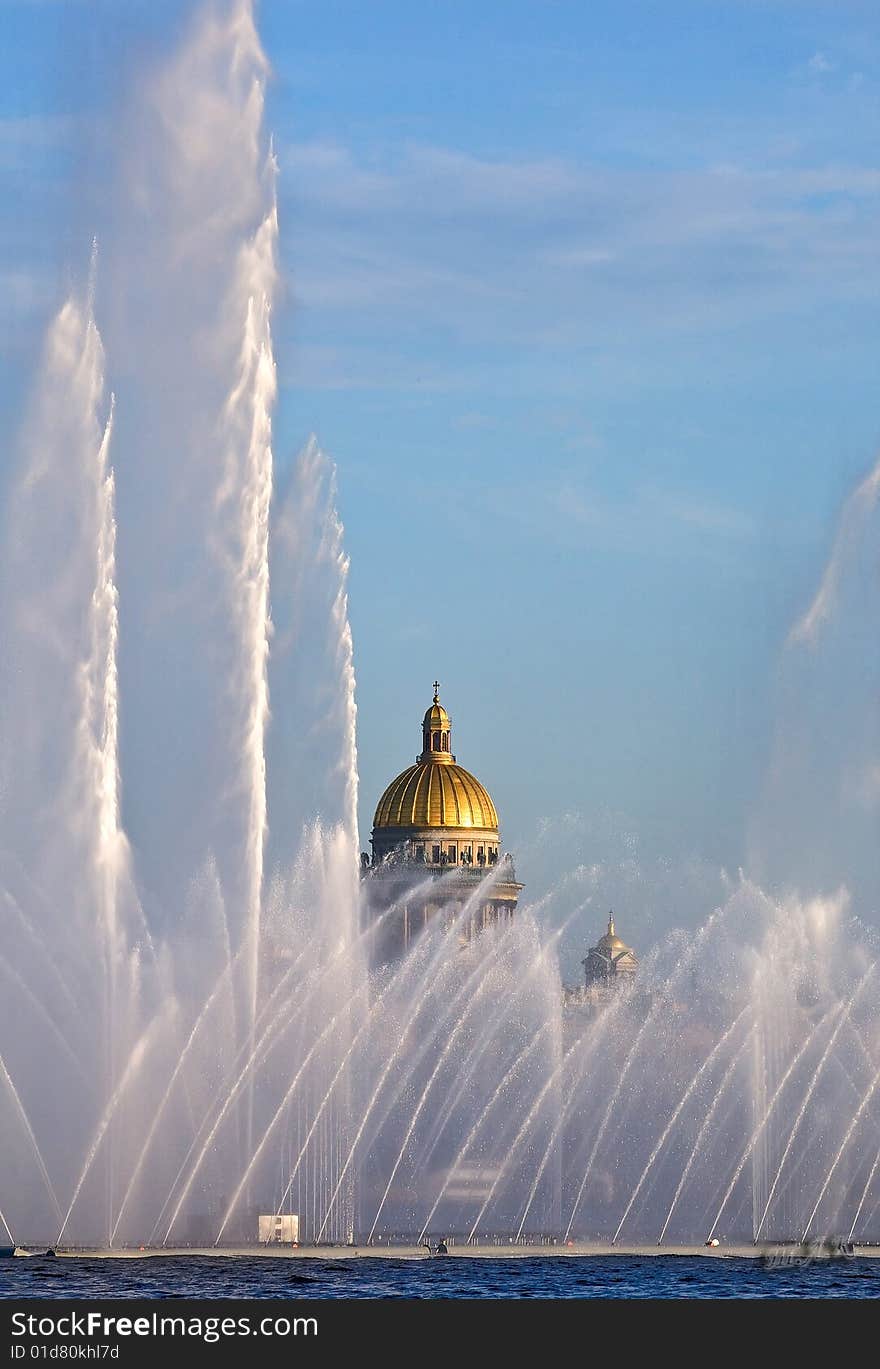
436, 731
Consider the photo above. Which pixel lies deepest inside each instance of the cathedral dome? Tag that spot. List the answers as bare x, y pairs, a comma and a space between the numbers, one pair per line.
435, 792
430, 794
436, 851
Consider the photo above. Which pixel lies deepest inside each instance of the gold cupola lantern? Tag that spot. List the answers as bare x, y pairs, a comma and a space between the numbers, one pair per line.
436, 733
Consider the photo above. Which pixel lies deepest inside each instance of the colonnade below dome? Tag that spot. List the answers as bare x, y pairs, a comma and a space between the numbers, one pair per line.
407, 917
437, 847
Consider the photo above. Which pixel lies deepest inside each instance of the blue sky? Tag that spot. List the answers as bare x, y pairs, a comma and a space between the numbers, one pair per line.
583, 301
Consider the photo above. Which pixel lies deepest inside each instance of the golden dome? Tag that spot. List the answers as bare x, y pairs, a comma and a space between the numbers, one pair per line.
435, 792
611, 942
436, 716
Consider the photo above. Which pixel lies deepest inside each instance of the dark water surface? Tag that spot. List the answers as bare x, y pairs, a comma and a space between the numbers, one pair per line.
455, 1277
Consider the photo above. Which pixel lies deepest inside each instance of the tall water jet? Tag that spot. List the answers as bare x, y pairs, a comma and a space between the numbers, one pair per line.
245, 495
199, 210
63, 620
193, 326
313, 847
815, 827
312, 658
65, 627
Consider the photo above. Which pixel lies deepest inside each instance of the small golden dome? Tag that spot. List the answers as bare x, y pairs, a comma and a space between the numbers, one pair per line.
611, 941
436, 716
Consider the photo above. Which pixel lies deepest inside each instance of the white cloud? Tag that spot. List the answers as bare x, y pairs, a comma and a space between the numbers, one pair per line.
24, 137
579, 256
704, 515
670, 522
555, 254
23, 291
477, 421
820, 65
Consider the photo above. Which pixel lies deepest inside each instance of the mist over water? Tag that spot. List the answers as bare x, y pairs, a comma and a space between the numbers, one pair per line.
190, 1030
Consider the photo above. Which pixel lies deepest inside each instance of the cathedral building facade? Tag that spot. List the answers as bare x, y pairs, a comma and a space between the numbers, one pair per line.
436, 848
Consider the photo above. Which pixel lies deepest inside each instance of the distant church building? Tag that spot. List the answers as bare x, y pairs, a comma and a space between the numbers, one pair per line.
608, 966
610, 961
435, 840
